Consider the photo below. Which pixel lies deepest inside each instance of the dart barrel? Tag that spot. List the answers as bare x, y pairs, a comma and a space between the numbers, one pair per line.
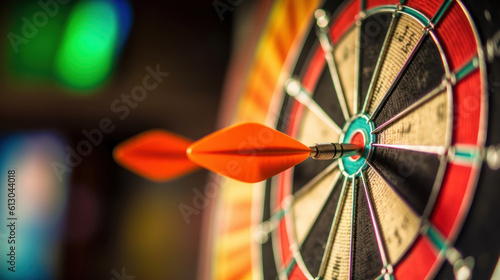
329, 151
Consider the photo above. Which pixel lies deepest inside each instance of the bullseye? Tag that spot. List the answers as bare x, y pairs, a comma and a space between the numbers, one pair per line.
357, 131
359, 140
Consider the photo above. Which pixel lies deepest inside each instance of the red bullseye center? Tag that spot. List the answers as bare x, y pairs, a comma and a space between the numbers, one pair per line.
358, 139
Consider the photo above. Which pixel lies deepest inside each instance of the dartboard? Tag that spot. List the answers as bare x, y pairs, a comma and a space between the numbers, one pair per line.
413, 82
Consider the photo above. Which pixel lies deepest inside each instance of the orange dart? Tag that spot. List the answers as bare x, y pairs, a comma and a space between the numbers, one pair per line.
248, 152
155, 154
252, 152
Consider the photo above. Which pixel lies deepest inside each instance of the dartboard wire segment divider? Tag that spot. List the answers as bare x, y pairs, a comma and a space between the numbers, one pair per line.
409, 80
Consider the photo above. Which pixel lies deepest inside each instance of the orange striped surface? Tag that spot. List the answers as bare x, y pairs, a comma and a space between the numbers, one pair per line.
287, 20
233, 245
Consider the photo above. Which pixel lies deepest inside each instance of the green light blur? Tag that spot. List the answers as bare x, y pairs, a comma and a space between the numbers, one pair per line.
87, 50
30, 48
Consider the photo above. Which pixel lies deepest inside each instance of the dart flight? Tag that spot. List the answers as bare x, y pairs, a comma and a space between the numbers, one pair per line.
248, 152
156, 154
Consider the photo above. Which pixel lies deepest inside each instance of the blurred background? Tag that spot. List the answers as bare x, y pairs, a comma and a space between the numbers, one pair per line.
74, 83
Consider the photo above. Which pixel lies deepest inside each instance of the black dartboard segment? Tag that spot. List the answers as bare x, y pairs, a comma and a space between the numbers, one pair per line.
268, 263
306, 171
373, 33
326, 96
424, 73
367, 261
411, 174
285, 114
313, 247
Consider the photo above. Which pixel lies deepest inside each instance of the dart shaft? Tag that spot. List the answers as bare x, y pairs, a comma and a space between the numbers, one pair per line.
328, 151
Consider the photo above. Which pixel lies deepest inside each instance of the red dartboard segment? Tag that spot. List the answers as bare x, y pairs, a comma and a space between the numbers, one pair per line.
297, 274
418, 261
428, 8
459, 44
450, 199
467, 109
314, 70
286, 254
345, 20
283, 193
457, 37
374, 3
297, 111
309, 81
